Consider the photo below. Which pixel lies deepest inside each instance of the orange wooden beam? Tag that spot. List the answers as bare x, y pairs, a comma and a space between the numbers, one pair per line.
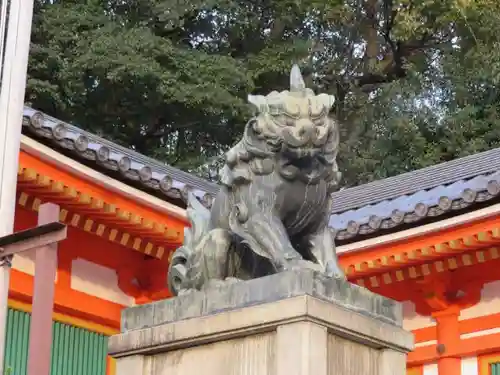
404, 253
466, 272
135, 239
481, 323
422, 355
473, 346
128, 209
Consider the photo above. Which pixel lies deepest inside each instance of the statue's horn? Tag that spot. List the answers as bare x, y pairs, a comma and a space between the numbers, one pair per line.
296, 81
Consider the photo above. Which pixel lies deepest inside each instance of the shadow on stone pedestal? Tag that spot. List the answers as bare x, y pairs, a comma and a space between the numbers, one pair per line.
287, 324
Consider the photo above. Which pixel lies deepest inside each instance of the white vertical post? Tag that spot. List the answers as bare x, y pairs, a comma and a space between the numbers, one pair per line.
40, 339
15, 51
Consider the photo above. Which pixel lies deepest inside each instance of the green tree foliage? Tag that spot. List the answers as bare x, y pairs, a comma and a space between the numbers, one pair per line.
416, 81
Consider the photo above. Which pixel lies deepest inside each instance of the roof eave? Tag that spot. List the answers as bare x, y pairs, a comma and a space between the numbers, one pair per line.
421, 231
69, 165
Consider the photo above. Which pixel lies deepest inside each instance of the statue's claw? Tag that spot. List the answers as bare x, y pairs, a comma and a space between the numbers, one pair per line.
217, 283
212, 284
232, 280
177, 273
334, 271
184, 292
300, 264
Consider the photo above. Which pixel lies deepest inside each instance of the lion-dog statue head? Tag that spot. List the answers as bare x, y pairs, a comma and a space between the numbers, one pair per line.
291, 133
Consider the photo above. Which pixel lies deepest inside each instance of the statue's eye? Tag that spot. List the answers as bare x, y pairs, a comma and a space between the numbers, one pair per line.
275, 110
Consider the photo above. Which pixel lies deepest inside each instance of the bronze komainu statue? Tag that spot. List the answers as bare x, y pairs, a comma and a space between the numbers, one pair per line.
271, 213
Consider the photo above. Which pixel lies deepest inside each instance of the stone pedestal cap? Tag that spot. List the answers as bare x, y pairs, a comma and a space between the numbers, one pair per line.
264, 290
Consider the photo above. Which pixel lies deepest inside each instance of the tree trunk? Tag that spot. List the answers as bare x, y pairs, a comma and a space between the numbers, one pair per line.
372, 47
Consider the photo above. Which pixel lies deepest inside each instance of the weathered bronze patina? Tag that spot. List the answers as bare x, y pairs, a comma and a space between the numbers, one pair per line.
271, 213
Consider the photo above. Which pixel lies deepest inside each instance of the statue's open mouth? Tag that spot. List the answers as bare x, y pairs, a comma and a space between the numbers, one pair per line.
300, 153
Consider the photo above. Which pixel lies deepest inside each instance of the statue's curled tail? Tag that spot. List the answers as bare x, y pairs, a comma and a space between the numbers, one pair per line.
203, 255
199, 219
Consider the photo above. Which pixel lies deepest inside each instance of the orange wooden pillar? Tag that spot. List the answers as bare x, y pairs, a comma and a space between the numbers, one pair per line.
448, 338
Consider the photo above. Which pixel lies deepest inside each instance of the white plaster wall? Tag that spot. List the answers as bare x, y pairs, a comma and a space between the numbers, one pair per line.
431, 369
412, 320
98, 281
485, 332
469, 366
489, 304
425, 343
25, 262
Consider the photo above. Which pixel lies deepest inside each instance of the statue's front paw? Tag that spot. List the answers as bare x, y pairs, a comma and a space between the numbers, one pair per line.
184, 292
334, 271
213, 284
231, 280
300, 264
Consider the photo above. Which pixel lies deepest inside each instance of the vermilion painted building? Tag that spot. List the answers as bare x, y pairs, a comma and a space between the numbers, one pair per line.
119, 238
430, 239
427, 238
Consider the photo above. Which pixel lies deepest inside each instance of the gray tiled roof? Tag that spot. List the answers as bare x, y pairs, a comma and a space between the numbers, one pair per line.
422, 179
413, 206
413, 196
357, 211
132, 166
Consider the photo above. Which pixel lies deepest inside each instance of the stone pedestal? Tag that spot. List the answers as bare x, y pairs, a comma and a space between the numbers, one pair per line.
286, 324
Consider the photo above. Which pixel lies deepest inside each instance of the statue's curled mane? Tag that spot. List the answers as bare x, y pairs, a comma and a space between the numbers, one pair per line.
261, 152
